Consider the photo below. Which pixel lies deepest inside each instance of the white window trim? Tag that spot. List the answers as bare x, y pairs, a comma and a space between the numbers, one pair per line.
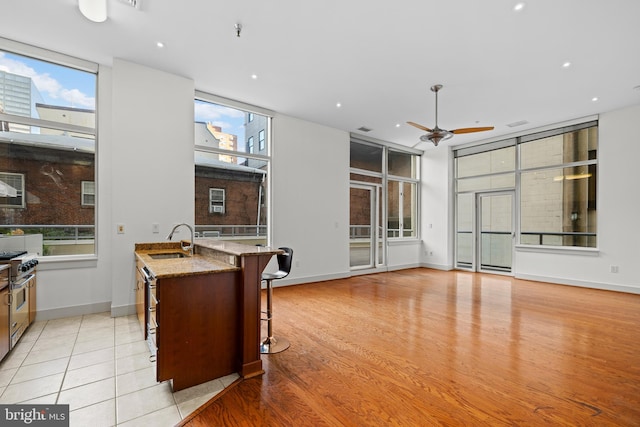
20, 191
215, 208
84, 193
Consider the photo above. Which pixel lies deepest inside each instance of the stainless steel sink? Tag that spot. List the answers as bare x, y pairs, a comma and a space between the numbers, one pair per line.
168, 255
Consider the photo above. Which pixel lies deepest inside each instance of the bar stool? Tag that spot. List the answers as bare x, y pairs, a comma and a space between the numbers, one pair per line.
272, 344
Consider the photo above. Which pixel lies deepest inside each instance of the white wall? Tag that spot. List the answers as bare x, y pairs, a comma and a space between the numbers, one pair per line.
618, 204
145, 176
310, 184
618, 207
436, 206
152, 162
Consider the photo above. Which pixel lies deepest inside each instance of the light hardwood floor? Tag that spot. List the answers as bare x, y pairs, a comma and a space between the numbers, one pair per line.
423, 347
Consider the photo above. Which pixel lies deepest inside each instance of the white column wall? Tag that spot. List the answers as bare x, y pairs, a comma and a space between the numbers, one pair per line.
152, 173
310, 185
437, 209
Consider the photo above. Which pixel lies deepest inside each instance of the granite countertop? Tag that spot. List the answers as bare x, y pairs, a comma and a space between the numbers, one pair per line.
236, 249
178, 267
210, 257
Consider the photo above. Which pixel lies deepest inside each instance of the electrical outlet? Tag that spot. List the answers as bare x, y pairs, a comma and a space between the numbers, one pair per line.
155, 228
614, 268
120, 228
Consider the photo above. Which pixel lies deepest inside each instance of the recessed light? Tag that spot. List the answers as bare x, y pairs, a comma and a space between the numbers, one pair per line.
338, 105
397, 125
254, 76
518, 7
594, 99
566, 64
159, 45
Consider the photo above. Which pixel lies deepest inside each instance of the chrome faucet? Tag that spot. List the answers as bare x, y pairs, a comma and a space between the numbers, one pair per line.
184, 248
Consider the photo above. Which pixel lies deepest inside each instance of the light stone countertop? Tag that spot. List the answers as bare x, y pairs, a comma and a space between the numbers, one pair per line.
210, 257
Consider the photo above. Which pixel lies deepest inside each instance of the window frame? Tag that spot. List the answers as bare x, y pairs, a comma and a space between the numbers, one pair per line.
241, 153
518, 141
261, 140
84, 192
71, 64
386, 178
216, 202
19, 191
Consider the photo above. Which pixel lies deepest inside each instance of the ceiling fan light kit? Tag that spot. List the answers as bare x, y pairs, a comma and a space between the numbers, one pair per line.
93, 10
436, 134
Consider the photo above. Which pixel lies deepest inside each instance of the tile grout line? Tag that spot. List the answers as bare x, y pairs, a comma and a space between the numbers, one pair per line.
66, 369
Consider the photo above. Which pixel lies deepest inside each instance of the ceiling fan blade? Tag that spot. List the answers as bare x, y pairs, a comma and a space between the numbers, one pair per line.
471, 130
420, 127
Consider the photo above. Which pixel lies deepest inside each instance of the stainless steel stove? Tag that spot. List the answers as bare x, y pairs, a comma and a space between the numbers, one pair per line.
22, 281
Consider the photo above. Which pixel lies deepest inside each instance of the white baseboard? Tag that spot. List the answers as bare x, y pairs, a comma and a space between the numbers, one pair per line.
309, 279
123, 310
580, 283
403, 267
76, 310
445, 267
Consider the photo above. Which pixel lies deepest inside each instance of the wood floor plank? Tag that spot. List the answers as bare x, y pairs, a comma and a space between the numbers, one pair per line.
423, 347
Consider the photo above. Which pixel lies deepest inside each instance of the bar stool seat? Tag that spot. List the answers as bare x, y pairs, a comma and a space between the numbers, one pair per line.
271, 344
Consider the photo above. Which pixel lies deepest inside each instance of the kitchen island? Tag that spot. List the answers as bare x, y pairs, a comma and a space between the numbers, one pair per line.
201, 310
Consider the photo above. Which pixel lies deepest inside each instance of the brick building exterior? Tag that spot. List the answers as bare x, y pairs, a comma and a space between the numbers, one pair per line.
52, 183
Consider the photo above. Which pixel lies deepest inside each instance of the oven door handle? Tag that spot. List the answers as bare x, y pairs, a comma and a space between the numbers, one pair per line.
148, 276
23, 283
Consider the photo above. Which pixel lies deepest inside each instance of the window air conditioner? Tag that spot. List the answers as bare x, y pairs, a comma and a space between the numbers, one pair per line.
218, 209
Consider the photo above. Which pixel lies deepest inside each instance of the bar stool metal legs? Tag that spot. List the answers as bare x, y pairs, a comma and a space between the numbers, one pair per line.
271, 344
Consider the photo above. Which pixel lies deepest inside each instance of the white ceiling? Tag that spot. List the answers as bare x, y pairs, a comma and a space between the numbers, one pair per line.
377, 58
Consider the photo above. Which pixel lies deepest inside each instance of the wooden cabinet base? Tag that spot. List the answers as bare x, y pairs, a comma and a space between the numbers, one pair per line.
250, 370
197, 333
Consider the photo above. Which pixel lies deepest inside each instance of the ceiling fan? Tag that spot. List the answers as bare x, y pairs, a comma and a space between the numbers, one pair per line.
436, 134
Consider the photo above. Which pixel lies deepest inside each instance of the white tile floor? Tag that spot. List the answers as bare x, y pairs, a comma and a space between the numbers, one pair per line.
100, 366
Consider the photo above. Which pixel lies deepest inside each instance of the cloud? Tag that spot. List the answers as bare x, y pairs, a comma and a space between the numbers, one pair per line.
47, 84
208, 112
77, 99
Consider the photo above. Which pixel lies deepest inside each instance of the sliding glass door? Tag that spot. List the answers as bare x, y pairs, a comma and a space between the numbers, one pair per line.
366, 238
485, 231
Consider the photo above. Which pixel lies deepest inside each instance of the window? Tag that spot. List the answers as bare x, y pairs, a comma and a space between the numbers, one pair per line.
231, 181
558, 187
402, 194
261, 140
11, 190
401, 180
47, 149
554, 173
88, 193
216, 200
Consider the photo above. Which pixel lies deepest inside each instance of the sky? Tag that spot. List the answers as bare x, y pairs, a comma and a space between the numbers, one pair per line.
58, 85
63, 86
